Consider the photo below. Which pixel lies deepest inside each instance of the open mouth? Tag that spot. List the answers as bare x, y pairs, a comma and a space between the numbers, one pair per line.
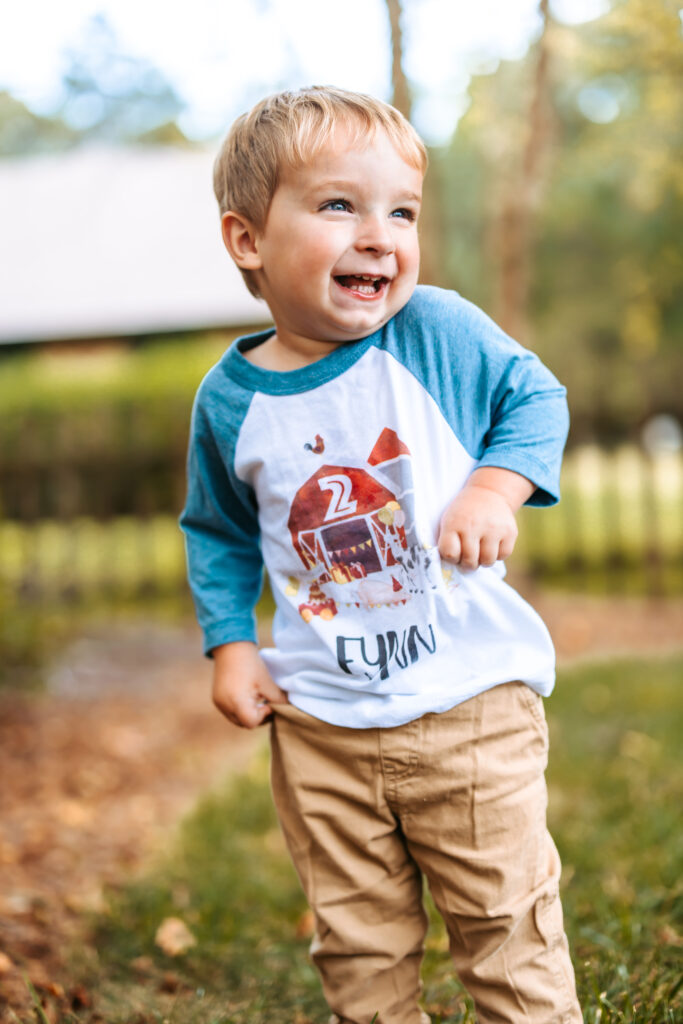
362, 284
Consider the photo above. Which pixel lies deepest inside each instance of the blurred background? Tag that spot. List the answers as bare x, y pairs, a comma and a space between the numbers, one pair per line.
553, 200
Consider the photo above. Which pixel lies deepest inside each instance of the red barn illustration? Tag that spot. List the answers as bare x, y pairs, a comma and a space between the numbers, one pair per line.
348, 524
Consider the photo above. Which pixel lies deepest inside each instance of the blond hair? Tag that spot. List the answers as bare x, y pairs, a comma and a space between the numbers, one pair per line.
286, 130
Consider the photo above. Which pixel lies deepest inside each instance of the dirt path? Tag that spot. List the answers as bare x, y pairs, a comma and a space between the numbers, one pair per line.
594, 627
93, 774
96, 771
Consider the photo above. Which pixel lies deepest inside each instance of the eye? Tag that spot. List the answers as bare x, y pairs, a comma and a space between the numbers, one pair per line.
404, 213
341, 205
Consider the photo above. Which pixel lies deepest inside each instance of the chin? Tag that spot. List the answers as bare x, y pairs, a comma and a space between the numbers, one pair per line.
367, 321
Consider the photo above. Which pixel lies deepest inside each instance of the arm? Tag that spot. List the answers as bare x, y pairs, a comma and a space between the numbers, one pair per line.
225, 571
519, 456
222, 542
478, 527
507, 410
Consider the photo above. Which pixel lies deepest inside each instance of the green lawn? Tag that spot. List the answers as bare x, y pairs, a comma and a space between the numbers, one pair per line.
615, 791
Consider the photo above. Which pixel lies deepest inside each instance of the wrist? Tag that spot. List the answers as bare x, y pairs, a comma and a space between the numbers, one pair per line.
235, 651
513, 488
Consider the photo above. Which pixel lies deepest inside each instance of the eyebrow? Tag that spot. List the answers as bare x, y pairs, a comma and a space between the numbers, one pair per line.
334, 185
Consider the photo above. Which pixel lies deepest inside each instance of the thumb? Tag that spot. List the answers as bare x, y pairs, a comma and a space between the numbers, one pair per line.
249, 712
271, 692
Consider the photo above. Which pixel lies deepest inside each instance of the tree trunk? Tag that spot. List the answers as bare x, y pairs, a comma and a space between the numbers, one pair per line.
401, 99
400, 90
521, 198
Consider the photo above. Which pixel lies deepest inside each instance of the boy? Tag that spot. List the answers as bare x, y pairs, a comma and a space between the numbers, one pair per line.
372, 450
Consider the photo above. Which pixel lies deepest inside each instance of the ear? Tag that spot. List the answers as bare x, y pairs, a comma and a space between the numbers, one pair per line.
241, 240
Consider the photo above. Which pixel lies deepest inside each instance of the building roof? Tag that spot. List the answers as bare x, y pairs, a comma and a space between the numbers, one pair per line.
108, 242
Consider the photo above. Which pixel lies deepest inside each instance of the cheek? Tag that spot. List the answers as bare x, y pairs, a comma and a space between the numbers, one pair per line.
410, 254
315, 256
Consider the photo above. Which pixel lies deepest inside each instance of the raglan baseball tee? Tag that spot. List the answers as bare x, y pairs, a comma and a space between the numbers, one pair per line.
335, 477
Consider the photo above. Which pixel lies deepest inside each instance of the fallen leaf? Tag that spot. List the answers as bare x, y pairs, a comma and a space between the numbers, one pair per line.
638, 746
37, 970
173, 937
80, 998
73, 813
53, 988
8, 854
6, 964
88, 901
170, 982
305, 926
142, 964
668, 936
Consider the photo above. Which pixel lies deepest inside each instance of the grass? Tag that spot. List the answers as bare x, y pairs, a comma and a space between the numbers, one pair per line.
615, 794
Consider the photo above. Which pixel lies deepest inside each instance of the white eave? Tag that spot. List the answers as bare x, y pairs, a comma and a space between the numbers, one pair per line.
115, 242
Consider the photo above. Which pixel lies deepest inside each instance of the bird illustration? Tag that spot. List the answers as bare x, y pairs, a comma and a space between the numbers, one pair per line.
318, 448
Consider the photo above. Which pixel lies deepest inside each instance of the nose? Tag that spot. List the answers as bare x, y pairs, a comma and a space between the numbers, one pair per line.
375, 236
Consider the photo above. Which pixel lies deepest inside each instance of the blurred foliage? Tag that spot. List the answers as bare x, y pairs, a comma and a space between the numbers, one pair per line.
100, 432
22, 131
57, 379
111, 95
607, 301
26, 637
107, 96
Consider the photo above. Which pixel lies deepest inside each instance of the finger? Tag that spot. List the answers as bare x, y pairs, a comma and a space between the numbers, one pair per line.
228, 714
271, 692
507, 545
262, 713
489, 551
240, 709
250, 714
224, 708
469, 559
449, 546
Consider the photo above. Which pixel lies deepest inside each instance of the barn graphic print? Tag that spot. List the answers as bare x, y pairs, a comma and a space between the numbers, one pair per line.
353, 528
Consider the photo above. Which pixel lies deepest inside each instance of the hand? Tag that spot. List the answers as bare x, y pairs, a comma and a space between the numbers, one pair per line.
479, 527
243, 690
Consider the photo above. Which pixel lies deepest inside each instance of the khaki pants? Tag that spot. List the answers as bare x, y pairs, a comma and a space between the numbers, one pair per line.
458, 796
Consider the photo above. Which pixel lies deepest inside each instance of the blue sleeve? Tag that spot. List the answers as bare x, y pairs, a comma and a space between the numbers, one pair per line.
529, 425
504, 406
225, 567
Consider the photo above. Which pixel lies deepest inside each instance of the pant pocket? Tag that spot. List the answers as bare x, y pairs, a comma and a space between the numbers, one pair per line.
532, 703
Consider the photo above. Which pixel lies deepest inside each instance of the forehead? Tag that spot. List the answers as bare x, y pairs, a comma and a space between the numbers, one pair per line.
354, 152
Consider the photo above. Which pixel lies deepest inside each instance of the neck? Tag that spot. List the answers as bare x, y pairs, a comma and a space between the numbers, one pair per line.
273, 355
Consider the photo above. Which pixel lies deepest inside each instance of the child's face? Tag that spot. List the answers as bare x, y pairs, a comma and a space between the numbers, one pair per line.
339, 254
